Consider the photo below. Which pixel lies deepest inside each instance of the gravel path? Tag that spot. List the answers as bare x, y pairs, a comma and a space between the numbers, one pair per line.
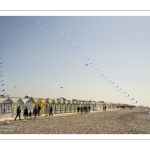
124, 121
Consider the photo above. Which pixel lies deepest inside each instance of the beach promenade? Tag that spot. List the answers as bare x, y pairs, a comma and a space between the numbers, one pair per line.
121, 121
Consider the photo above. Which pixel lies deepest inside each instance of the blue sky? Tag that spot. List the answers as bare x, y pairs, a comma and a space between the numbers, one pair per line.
38, 60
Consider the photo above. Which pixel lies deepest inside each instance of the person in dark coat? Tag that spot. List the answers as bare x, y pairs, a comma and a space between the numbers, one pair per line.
89, 108
46, 111
85, 109
18, 113
81, 109
78, 109
50, 111
39, 109
25, 113
30, 114
105, 108
35, 111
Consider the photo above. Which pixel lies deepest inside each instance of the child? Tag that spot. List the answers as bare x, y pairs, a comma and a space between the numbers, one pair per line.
30, 114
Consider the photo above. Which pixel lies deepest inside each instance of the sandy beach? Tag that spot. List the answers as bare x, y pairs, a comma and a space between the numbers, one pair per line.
123, 121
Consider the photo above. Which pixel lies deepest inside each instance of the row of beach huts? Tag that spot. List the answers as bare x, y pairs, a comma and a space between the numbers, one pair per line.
9, 105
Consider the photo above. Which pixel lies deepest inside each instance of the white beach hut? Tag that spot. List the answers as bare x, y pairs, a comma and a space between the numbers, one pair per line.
6, 109
17, 102
29, 102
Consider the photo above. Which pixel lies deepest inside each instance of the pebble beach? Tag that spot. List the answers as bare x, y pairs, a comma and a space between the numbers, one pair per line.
121, 121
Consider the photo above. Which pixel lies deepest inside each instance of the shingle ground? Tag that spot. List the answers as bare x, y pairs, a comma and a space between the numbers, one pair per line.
123, 121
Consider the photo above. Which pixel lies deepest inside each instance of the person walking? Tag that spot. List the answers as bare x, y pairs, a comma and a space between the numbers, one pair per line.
18, 113
78, 109
50, 111
105, 107
81, 109
25, 113
35, 112
85, 109
46, 111
89, 108
39, 109
30, 114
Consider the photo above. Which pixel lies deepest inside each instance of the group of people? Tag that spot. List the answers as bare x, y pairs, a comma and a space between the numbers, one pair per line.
83, 109
36, 111
49, 111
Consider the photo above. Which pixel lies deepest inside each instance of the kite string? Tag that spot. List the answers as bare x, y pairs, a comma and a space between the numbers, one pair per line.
61, 34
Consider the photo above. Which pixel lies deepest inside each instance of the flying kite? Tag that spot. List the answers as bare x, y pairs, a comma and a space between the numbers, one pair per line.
132, 99
70, 42
41, 51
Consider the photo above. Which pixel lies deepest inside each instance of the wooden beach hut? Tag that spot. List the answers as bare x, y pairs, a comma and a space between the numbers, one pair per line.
29, 103
6, 106
71, 106
75, 104
40, 102
97, 106
114, 106
51, 102
93, 103
17, 102
63, 105
68, 108
57, 106
108, 106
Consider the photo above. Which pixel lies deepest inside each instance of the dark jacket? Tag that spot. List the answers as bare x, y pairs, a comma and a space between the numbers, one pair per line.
25, 112
78, 108
30, 113
35, 111
51, 109
39, 108
18, 110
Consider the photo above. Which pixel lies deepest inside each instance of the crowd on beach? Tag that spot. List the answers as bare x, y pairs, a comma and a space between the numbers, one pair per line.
36, 112
48, 112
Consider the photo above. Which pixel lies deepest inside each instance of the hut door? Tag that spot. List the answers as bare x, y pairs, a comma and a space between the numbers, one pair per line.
29, 106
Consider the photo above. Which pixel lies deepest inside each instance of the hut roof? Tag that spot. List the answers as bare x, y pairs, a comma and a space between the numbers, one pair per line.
25, 100
14, 99
4, 99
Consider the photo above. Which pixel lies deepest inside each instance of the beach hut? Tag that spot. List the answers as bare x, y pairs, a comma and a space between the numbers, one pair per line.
68, 106
40, 102
29, 103
0, 109
71, 106
6, 106
108, 106
51, 102
97, 106
17, 102
75, 103
57, 106
63, 105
